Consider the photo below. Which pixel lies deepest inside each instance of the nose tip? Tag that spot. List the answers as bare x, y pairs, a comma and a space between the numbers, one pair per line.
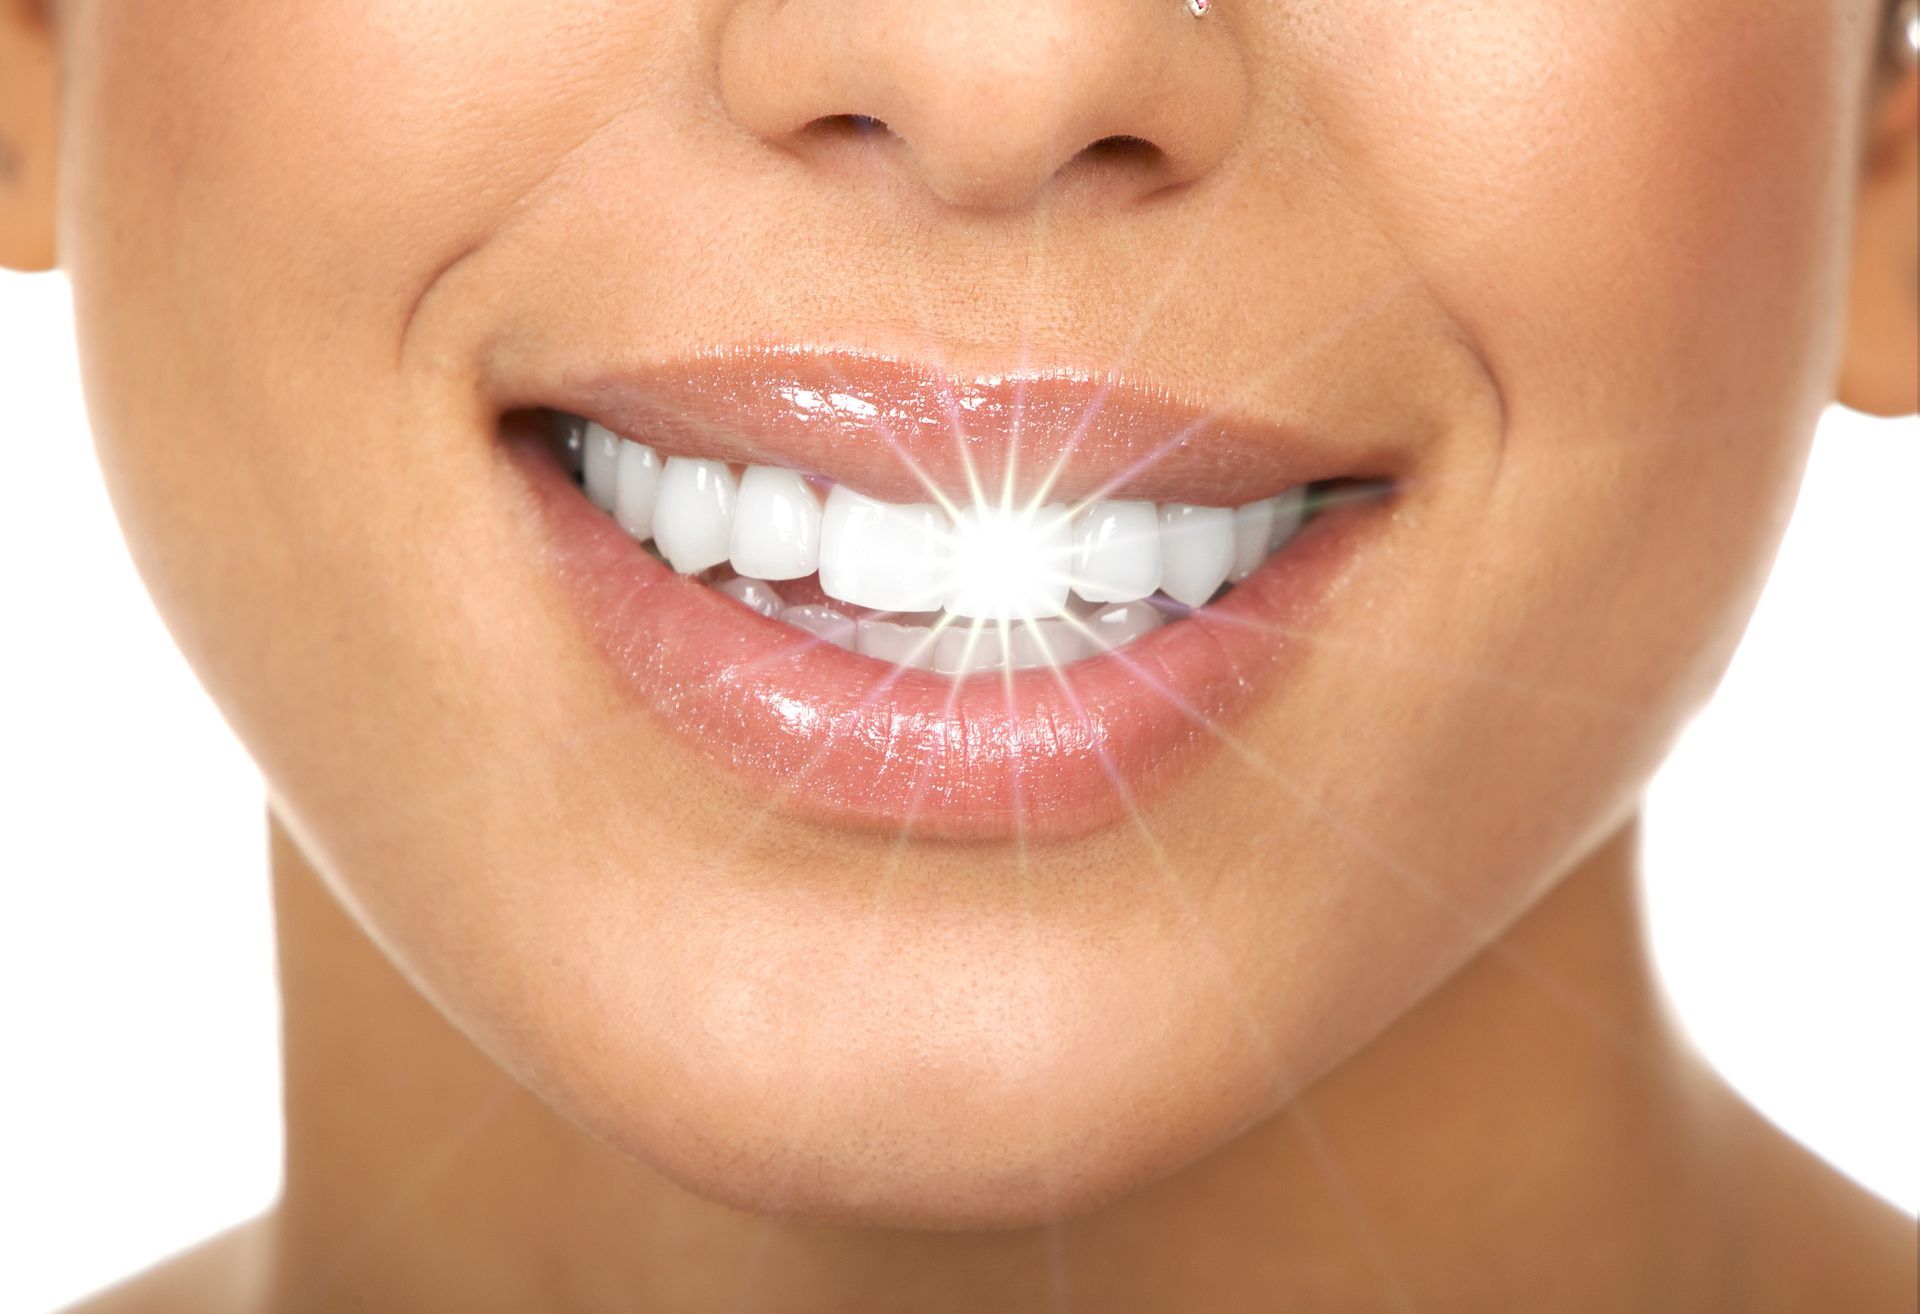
987, 102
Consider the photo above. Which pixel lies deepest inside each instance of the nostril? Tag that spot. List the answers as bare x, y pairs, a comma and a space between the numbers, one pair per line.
1132, 165
847, 125
1122, 149
843, 142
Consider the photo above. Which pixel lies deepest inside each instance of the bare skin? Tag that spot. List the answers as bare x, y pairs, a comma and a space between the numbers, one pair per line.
1356, 1016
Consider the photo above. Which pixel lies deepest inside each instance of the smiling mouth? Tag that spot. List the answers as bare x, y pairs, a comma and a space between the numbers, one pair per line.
988, 608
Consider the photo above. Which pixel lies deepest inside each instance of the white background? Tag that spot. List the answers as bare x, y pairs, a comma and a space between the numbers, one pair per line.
138, 1108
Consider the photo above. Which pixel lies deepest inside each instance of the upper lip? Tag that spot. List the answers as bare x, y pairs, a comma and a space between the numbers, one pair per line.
898, 430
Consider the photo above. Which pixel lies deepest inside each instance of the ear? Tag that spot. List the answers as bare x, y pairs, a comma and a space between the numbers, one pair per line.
1880, 372
26, 135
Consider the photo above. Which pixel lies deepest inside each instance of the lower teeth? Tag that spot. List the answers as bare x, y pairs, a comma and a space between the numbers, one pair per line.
948, 645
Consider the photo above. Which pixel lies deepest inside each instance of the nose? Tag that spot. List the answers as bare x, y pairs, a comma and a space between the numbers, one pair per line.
987, 102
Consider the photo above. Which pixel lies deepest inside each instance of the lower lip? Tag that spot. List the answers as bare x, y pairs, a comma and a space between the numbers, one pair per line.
843, 739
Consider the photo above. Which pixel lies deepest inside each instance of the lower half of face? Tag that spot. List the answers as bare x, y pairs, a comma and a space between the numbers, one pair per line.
922, 645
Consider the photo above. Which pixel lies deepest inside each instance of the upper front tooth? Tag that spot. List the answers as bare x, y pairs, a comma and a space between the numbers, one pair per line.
776, 525
693, 519
1116, 551
598, 465
882, 555
1011, 564
1196, 551
636, 488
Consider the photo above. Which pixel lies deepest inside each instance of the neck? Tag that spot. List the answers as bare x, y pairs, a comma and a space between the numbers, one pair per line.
1532, 1134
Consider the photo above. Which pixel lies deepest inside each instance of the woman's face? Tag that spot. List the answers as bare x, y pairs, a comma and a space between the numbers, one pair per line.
1563, 279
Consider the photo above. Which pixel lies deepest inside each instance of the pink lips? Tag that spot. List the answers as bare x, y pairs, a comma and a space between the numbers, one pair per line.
889, 428
849, 740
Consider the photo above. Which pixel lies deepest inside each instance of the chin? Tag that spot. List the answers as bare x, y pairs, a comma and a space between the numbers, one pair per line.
938, 1069
888, 1145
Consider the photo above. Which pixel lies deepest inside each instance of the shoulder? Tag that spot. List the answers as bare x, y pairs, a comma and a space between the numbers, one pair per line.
1815, 1239
221, 1275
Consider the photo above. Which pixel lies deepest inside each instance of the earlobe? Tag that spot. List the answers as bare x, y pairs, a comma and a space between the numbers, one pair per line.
27, 100
1880, 372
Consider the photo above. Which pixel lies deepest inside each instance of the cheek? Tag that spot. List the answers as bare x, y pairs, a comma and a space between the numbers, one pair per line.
354, 142
1637, 213
298, 175
1594, 188
256, 197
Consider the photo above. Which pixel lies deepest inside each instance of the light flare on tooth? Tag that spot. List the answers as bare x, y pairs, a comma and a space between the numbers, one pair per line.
1011, 564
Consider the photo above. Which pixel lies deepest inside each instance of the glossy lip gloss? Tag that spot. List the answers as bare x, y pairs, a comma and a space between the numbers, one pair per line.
895, 429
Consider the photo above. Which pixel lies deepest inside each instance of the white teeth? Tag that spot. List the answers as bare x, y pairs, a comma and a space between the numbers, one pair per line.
903, 645
1252, 527
964, 649
776, 525
1011, 564
835, 627
598, 465
693, 518
1289, 509
882, 555
636, 488
1261, 528
1047, 643
998, 581
1116, 551
1122, 623
1196, 551
751, 593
